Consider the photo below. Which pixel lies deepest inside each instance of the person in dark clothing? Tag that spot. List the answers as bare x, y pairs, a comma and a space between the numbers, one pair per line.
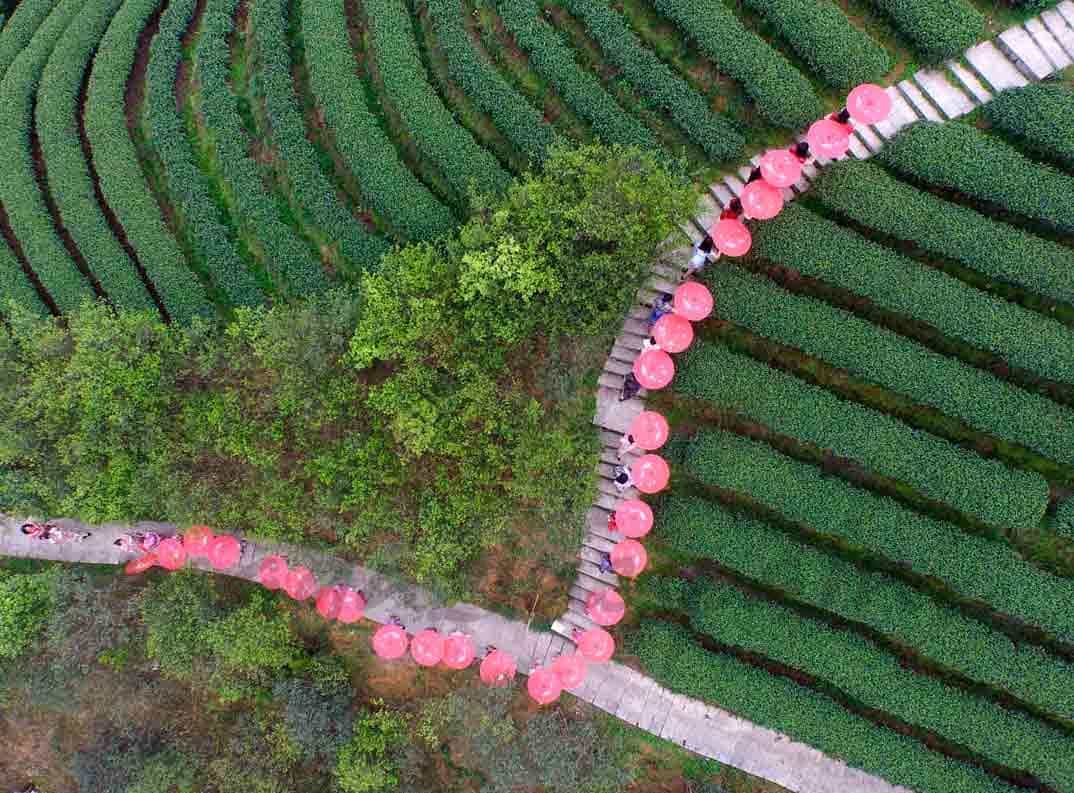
734, 209
801, 150
755, 174
605, 565
630, 389
703, 254
622, 479
661, 306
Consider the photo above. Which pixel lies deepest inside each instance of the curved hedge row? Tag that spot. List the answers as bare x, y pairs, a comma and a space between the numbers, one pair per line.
869, 195
119, 171
669, 653
717, 135
186, 184
934, 467
312, 189
818, 30
881, 356
875, 679
1064, 518
820, 248
69, 178
391, 190
581, 91
1039, 117
27, 212
514, 117
938, 29
286, 256
20, 29
974, 567
782, 93
760, 552
436, 133
963, 158
15, 286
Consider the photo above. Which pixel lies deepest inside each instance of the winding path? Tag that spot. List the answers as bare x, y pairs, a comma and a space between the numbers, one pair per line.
1018, 56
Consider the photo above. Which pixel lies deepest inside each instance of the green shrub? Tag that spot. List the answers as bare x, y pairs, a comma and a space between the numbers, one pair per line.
961, 157
1064, 518
177, 612
654, 79
520, 122
393, 192
934, 467
782, 93
15, 287
938, 29
870, 196
875, 679
670, 654
911, 618
365, 764
69, 179
255, 638
973, 567
20, 28
1038, 117
313, 191
26, 602
437, 136
818, 30
27, 213
186, 185
881, 356
823, 249
318, 723
554, 61
119, 171
287, 257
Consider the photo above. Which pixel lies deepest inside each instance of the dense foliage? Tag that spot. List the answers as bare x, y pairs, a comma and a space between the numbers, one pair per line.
818, 30
213, 242
1037, 117
872, 678
1064, 518
514, 117
881, 356
120, 174
70, 183
23, 202
26, 601
438, 137
783, 94
916, 623
970, 566
934, 467
413, 414
313, 192
553, 60
868, 195
20, 28
655, 80
983, 167
289, 259
669, 653
392, 191
938, 29
821, 248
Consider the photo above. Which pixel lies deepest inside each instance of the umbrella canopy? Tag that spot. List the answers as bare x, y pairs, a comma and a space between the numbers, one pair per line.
390, 642
596, 645
629, 558
605, 607
224, 552
498, 669
328, 602
273, 572
544, 686
197, 540
300, 583
140, 565
427, 647
171, 555
351, 606
571, 670
458, 651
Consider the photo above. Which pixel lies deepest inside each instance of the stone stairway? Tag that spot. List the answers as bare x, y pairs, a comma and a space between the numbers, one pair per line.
1017, 56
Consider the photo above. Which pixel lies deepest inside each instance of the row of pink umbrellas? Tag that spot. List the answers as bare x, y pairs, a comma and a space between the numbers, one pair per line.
222, 550
780, 168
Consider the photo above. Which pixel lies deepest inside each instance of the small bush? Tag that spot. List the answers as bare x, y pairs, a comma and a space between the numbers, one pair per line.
255, 638
1038, 117
177, 612
938, 29
1064, 518
26, 602
319, 724
365, 764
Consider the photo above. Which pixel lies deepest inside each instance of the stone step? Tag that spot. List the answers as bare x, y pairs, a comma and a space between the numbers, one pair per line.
631, 341
921, 105
869, 138
597, 520
734, 184
708, 210
563, 628
1066, 10
578, 620
671, 269
1051, 48
858, 149
662, 284
624, 354
968, 80
608, 456
993, 67
722, 194
692, 233
607, 501
1019, 46
900, 116
618, 368
635, 326
608, 488
1058, 27
600, 581
615, 414
591, 555
951, 101
613, 381
600, 544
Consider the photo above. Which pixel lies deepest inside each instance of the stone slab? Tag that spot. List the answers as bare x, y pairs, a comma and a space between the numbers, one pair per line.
969, 81
922, 106
994, 67
1066, 10
1024, 52
868, 137
857, 148
952, 102
1053, 51
722, 194
900, 116
734, 184
1061, 29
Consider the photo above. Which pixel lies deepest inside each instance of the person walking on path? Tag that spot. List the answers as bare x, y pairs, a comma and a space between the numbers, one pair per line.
630, 388
137, 542
622, 478
626, 445
663, 304
46, 532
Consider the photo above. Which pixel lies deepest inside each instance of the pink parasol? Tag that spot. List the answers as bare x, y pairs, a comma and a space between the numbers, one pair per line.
351, 606
390, 642
197, 540
427, 647
498, 669
224, 552
571, 669
544, 686
596, 645
458, 651
629, 558
300, 583
273, 572
328, 602
650, 473
633, 518
650, 429
731, 237
605, 607
693, 301
673, 333
868, 104
654, 369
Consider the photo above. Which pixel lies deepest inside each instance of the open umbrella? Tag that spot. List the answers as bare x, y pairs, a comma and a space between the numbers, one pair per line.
390, 642
544, 686
571, 669
458, 651
273, 572
498, 669
328, 602
351, 606
605, 607
171, 555
596, 645
224, 552
300, 583
427, 647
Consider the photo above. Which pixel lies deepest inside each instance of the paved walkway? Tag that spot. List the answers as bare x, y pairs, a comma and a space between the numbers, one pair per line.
1020, 55
612, 687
